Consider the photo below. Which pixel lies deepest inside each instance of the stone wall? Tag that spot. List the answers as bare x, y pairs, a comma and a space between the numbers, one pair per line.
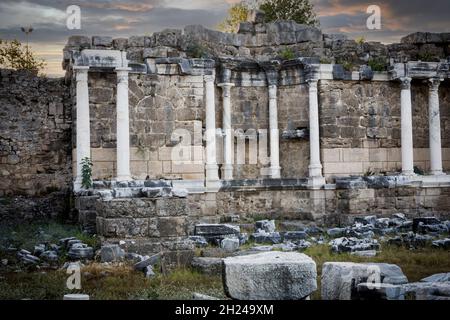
361, 129
35, 139
149, 224
257, 40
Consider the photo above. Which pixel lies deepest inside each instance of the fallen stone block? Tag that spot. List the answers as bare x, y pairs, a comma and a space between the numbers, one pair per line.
266, 225
425, 221
111, 253
49, 255
199, 241
210, 266
439, 277
149, 273
294, 235
147, 261
80, 250
380, 291
264, 237
340, 279
214, 232
365, 253
230, 244
428, 290
442, 244
270, 276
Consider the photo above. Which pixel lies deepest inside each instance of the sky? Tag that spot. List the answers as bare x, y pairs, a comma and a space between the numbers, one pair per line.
143, 17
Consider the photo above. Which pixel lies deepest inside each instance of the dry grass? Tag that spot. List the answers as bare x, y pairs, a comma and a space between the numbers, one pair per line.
416, 264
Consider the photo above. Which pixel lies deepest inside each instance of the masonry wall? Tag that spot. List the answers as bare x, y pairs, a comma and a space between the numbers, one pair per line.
35, 140
361, 129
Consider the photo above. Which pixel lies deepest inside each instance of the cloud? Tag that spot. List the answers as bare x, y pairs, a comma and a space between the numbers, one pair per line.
129, 17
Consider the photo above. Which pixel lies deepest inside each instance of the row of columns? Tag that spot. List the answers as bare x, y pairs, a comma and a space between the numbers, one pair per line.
83, 135
407, 148
315, 168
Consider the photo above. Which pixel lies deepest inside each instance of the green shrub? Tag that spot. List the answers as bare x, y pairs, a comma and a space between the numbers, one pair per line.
196, 51
287, 54
377, 64
86, 173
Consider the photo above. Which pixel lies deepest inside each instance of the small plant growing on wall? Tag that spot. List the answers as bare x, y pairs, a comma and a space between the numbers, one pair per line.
86, 173
377, 64
287, 54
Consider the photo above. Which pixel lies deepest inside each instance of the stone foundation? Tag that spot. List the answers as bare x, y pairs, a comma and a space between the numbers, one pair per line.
150, 224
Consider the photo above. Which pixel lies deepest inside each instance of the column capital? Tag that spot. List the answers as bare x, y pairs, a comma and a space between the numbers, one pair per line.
81, 73
273, 91
405, 83
209, 78
312, 83
434, 83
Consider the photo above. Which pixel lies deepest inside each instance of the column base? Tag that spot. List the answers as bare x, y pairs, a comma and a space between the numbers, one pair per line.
315, 170
408, 173
212, 185
227, 172
77, 184
275, 172
123, 178
437, 173
316, 182
212, 172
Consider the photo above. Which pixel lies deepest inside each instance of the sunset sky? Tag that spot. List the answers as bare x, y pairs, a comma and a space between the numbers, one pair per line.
143, 17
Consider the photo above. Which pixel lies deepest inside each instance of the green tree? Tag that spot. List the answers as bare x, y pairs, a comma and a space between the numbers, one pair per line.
300, 11
236, 14
16, 56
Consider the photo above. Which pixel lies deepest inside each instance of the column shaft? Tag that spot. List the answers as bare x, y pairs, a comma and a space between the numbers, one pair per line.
227, 168
123, 126
274, 134
435, 127
83, 121
212, 173
315, 165
406, 128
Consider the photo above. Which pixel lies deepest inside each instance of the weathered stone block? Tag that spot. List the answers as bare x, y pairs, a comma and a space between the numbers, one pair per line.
340, 279
270, 276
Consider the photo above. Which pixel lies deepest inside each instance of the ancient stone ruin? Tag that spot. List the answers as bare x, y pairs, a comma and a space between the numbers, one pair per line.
191, 130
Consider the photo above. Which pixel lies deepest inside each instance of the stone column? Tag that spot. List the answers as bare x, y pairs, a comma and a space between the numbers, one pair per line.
83, 122
212, 170
406, 128
316, 179
435, 127
123, 126
227, 167
274, 134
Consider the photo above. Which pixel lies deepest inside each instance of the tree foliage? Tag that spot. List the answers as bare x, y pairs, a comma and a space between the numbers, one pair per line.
236, 14
300, 11
14, 55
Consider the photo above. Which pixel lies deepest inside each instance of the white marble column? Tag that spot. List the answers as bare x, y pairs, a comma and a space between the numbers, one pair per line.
227, 167
83, 121
123, 126
406, 128
435, 127
212, 170
316, 179
274, 133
